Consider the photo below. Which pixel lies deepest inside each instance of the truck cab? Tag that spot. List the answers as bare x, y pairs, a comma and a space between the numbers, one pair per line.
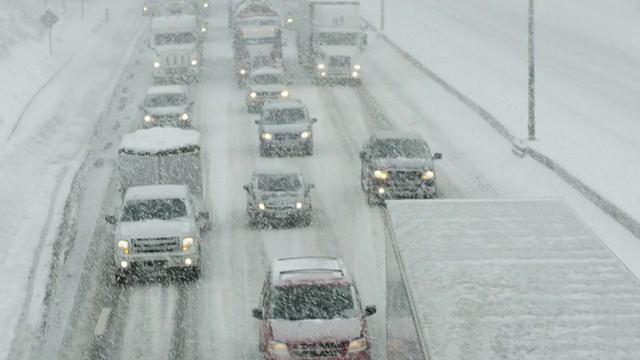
156, 229
177, 44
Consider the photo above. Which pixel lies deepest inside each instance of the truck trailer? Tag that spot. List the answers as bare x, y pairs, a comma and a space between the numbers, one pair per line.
504, 279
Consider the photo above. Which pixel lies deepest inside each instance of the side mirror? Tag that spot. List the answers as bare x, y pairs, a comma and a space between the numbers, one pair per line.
246, 188
111, 219
370, 310
289, 82
311, 186
257, 122
437, 156
203, 215
257, 313
140, 107
364, 40
314, 120
363, 155
192, 103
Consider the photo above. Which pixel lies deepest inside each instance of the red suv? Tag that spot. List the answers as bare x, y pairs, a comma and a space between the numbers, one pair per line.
310, 309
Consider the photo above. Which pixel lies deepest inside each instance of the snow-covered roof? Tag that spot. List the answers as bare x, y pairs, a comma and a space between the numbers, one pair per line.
156, 192
353, 2
514, 279
267, 71
166, 89
159, 139
283, 104
285, 270
174, 22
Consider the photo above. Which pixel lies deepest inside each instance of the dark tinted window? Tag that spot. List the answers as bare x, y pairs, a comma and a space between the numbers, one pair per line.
267, 79
312, 302
172, 39
396, 148
279, 182
160, 209
284, 116
159, 100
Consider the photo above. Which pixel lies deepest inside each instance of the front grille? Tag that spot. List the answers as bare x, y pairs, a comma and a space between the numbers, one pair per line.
316, 350
281, 206
269, 94
155, 245
286, 136
176, 60
340, 61
404, 179
166, 117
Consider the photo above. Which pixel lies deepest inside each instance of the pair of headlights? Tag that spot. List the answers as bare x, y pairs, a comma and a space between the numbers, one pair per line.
186, 243
183, 116
278, 347
262, 206
381, 174
254, 94
194, 62
269, 136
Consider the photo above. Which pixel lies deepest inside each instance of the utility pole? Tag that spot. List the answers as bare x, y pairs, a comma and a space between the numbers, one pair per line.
532, 78
48, 19
381, 15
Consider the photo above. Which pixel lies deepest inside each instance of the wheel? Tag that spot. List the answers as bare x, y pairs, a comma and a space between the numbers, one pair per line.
192, 274
251, 109
373, 200
309, 149
121, 277
263, 151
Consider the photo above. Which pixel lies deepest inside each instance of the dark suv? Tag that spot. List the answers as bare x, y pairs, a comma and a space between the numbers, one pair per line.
310, 308
397, 165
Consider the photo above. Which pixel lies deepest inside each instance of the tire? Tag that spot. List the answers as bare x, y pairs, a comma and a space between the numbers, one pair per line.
121, 278
263, 151
192, 274
373, 200
309, 149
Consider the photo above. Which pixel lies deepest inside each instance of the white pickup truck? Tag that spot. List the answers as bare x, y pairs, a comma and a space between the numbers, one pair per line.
157, 229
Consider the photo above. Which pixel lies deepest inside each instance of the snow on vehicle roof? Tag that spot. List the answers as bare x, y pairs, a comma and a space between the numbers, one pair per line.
353, 2
382, 135
267, 71
286, 270
174, 22
514, 279
166, 89
159, 139
156, 192
283, 104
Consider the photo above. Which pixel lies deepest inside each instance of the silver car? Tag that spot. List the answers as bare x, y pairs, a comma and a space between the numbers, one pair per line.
285, 126
265, 84
278, 197
167, 105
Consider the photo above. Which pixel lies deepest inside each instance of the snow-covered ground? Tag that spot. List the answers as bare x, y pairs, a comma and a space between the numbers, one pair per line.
51, 140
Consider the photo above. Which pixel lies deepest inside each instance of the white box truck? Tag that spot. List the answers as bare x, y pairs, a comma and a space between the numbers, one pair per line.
177, 44
329, 38
504, 279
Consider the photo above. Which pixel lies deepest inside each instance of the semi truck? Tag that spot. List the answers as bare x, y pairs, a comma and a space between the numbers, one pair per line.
329, 38
504, 279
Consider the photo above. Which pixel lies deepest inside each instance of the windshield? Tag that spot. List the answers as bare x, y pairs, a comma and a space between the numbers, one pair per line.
164, 100
346, 39
156, 209
175, 39
279, 182
400, 148
312, 302
284, 116
259, 41
267, 79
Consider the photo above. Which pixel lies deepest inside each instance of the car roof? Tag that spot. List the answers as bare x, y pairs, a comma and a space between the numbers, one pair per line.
267, 71
305, 269
385, 135
166, 89
148, 192
171, 22
284, 104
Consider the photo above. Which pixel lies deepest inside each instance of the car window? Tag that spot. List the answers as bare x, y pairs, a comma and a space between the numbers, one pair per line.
289, 182
174, 39
160, 100
397, 148
284, 116
158, 209
267, 79
309, 302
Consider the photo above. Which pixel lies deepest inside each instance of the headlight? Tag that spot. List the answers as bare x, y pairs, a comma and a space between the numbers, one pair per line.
277, 347
357, 67
205, 5
379, 174
186, 242
194, 62
261, 206
267, 136
320, 66
284, 93
148, 118
358, 345
298, 205
253, 95
289, 20
156, 64
184, 117
144, 8
243, 71
354, 74
204, 29
427, 175
124, 245
305, 134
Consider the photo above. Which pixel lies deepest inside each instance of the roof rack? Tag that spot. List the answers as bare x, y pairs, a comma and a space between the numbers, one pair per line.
304, 271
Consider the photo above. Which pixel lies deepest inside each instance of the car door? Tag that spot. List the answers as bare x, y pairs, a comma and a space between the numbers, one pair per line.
263, 328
